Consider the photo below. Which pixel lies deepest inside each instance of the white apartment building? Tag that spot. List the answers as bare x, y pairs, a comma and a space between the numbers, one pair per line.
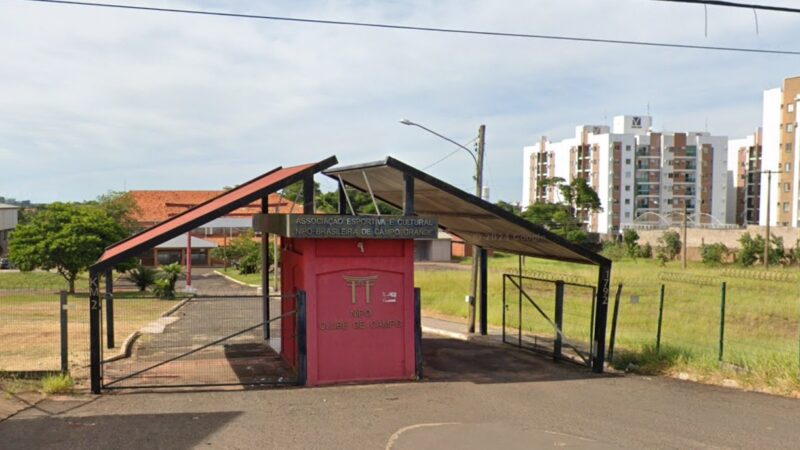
744, 179
642, 177
781, 154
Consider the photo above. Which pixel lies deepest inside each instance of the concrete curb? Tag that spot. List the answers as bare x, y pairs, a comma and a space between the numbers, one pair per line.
176, 307
127, 348
234, 280
127, 345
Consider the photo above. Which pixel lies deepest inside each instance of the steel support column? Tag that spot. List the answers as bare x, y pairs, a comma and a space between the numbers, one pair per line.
308, 195
484, 286
265, 272
408, 194
600, 318
94, 331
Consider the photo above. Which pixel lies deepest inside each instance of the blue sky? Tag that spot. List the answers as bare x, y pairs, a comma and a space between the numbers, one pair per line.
93, 100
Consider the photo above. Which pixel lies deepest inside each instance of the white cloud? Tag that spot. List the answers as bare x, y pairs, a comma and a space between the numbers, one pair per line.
93, 98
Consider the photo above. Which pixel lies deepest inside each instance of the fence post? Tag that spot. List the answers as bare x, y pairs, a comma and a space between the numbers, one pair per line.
109, 296
559, 319
302, 357
418, 332
504, 308
722, 321
614, 324
63, 314
660, 317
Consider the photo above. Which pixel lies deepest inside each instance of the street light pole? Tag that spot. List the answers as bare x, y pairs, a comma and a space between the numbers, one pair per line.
766, 239
478, 192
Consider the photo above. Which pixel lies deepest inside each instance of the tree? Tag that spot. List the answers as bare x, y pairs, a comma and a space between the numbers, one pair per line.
122, 208
556, 218
244, 252
67, 237
751, 250
631, 239
669, 246
510, 207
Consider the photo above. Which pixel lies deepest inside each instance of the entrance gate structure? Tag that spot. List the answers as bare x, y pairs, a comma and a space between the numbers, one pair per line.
347, 309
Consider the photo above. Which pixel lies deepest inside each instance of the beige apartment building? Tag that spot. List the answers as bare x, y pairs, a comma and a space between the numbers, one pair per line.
781, 154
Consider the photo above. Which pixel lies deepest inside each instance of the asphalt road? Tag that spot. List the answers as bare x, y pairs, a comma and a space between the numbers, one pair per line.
473, 397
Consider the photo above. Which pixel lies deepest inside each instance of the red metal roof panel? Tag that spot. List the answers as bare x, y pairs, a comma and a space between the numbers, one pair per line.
209, 210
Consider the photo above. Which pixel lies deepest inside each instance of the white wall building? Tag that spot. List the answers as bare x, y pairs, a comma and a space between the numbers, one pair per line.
9, 215
642, 177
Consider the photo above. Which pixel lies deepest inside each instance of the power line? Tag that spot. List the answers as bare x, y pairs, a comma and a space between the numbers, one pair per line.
736, 5
448, 155
428, 29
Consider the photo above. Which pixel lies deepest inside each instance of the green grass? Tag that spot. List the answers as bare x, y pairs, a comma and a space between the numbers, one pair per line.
57, 384
32, 280
762, 320
252, 278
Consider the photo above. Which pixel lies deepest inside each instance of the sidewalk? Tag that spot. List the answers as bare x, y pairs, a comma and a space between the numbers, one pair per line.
458, 330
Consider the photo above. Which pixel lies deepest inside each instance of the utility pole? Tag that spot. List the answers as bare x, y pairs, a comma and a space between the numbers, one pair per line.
766, 239
683, 238
475, 250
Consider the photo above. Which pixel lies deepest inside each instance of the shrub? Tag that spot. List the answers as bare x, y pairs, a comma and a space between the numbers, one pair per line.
613, 250
250, 263
752, 250
646, 251
669, 246
57, 384
171, 273
713, 254
163, 289
631, 240
142, 277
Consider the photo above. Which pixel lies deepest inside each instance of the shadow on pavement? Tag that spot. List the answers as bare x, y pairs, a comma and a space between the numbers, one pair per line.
132, 431
454, 360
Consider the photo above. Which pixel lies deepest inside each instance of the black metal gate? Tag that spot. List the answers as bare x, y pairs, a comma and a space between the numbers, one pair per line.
549, 316
206, 340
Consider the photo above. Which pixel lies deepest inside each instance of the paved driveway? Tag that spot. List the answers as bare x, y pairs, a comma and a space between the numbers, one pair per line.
473, 397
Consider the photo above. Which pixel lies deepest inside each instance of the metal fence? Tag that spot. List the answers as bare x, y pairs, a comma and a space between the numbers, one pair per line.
734, 319
43, 330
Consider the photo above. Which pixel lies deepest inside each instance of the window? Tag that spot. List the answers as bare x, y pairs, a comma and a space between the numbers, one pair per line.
669, 201
627, 215
787, 187
627, 174
787, 167
627, 160
786, 207
627, 148
790, 107
788, 147
627, 188
627, 201
789, 127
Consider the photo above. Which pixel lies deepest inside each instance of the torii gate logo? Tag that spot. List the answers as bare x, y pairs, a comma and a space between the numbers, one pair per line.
354, 282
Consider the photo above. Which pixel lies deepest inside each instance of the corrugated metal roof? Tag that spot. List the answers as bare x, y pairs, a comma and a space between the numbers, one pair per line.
180, 242
476, 221
216, 207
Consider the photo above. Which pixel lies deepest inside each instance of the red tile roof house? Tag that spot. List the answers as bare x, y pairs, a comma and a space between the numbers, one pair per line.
156, 206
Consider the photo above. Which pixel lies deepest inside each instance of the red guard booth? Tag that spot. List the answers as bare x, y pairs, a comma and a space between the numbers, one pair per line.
357, 273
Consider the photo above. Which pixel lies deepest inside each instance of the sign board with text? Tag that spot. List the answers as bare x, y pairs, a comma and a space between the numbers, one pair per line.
334, 226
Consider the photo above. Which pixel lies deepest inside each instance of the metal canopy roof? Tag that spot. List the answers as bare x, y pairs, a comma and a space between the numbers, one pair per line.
476, 221
218, 206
